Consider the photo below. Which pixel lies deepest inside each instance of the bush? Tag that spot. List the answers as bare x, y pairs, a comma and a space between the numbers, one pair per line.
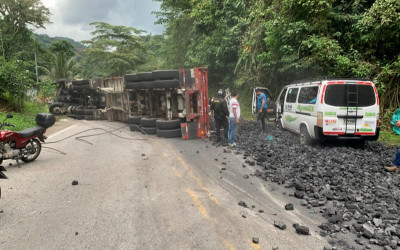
14, 81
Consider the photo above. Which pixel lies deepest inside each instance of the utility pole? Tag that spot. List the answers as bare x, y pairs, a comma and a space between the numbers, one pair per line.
37, 75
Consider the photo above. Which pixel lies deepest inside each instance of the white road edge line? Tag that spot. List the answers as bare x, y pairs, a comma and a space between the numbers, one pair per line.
62, 131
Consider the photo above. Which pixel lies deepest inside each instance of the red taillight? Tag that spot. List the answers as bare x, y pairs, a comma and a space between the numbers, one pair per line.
320, 119
322, 94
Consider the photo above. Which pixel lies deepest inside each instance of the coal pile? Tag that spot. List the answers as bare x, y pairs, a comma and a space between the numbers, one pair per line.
348, 185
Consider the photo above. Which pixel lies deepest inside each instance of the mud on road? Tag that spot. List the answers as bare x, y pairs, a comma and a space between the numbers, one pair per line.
347, 185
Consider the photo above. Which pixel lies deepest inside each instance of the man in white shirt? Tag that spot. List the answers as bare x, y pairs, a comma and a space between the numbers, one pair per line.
234, 116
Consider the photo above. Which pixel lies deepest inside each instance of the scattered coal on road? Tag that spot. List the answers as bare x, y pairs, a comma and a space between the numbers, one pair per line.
347, 184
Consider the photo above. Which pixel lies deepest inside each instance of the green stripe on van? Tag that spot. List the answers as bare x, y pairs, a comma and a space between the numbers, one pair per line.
305, 108
366, 130
370, 114
344, 108
330, 113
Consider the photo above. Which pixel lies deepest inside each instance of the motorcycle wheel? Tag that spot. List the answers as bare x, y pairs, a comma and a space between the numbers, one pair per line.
35, 151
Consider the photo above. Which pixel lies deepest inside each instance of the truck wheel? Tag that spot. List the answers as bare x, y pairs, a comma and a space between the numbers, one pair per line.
137, 85
148, 122
80, 82
169, 133
145, 76
165, 74
55, 108
305, 138
149, 130
89, 117
88, 112
168, 124
131, 78
134, 120
79, 111
164, 84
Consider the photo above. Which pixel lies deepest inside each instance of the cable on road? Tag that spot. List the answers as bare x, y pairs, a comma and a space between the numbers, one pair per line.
111, 132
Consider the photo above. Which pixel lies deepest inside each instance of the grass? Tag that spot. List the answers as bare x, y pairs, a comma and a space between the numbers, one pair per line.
25, 119
389, 138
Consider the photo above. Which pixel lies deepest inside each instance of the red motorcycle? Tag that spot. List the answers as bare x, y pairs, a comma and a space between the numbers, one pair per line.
24, 145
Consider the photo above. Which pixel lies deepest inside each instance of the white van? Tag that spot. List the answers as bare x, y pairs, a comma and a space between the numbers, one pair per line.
330, 109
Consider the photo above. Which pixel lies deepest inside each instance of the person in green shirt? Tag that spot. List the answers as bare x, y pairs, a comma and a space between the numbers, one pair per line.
396, 128
396, 121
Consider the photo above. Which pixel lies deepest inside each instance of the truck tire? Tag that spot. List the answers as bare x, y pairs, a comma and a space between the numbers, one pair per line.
89, 117
55, 108
134, 120
148, 122
137, 85
168, 124
145, 76
131, 78
169, 133
135, 128
79, 111
80, 82
88, 111
164, 84
149, 130
165, 74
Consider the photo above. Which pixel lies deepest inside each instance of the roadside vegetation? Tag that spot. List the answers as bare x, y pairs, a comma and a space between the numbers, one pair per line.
243, 44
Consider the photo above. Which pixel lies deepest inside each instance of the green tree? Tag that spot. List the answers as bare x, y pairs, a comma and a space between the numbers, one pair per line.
62, 47
15, 15
14, 81
62, 67
114, 50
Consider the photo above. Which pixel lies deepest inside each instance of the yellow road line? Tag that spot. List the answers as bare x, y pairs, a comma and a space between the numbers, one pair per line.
198, 203
177, 173
199, 182
254, 246
229, 245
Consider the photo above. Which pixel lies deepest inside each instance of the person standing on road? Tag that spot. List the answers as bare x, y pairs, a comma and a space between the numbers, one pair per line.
396, 122
396, 128
261, 107
234, 117
221, 113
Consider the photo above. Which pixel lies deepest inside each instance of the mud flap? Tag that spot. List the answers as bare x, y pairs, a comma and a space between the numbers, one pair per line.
42, 138
189, 130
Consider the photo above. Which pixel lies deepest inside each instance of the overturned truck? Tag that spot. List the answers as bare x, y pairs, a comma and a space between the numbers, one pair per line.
169, 103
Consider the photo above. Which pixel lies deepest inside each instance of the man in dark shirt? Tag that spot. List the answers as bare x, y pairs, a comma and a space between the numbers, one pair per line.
221, 112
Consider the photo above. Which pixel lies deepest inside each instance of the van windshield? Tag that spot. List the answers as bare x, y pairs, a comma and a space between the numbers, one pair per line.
336, 95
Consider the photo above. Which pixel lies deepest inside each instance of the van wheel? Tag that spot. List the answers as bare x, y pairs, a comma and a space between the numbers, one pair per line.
305, 137
278, 124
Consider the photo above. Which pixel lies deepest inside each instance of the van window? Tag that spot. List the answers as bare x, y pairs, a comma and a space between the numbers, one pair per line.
292, 95
336, 95
308, 95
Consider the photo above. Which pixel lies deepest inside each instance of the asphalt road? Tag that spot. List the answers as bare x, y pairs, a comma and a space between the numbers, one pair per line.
144, 194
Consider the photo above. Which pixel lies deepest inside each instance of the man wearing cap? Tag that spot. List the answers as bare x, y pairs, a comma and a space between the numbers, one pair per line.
221, 113
261, 107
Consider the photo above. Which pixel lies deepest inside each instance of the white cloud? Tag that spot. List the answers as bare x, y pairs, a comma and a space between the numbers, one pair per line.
71, 18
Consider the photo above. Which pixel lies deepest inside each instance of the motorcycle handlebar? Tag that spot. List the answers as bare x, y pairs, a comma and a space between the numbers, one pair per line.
9, 125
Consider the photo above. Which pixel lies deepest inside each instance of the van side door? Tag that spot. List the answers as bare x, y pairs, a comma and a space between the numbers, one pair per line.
289, 117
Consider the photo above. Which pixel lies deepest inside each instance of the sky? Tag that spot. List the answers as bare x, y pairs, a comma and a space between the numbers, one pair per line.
71, 18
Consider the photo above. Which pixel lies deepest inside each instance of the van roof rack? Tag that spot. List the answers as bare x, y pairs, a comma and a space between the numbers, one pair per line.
309, 81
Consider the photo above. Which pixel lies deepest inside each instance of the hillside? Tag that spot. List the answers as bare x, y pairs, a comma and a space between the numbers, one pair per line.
46, 41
